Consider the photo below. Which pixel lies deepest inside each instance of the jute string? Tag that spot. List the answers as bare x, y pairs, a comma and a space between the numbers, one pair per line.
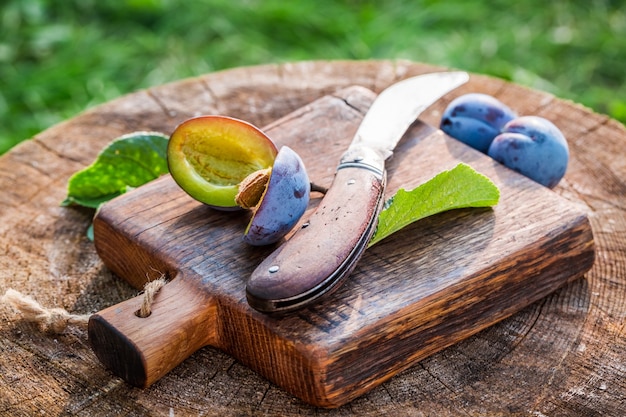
150, 290
56, 320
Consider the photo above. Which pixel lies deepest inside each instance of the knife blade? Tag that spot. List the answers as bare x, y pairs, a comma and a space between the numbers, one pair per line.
316, 259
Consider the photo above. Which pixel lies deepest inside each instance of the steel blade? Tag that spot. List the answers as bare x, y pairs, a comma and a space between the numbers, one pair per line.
397, 107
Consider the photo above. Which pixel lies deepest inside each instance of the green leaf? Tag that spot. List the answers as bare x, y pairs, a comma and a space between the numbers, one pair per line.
460, 187
127, 162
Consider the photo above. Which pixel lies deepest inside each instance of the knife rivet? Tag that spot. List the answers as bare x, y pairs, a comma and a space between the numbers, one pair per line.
273, 268
350, 182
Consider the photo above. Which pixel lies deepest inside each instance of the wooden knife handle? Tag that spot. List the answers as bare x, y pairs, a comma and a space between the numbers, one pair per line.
142, 350
326, 249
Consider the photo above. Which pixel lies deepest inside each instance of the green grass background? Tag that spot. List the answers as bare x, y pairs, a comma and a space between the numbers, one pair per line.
60, 57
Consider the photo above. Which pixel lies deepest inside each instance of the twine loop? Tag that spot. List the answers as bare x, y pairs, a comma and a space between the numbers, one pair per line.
56, 320
150, 290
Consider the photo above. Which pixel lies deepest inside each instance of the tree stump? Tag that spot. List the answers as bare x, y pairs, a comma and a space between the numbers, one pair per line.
563, 355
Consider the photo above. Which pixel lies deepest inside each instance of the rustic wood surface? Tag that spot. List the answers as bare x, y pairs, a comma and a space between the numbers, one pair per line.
563, 355
426, 288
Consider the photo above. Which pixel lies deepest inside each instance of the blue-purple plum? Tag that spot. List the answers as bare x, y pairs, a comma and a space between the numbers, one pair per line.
283, 202
533, 146
475, 119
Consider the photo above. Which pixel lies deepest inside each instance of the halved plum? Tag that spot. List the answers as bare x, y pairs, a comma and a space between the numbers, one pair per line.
209, 156
229, 164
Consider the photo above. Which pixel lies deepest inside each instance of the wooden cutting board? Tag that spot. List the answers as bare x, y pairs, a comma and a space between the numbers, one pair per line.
426, 287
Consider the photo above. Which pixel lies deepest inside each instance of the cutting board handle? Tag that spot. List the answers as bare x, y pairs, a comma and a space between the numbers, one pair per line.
143, 349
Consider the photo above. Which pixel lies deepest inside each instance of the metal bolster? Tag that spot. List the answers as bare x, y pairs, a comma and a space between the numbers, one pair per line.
365, 158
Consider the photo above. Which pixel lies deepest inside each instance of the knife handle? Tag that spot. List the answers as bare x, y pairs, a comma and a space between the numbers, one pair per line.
326, 249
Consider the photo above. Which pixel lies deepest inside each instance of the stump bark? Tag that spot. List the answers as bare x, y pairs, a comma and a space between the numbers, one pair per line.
563, 355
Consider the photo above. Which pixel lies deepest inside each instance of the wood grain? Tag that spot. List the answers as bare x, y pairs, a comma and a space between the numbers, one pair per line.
562, 355
412, 295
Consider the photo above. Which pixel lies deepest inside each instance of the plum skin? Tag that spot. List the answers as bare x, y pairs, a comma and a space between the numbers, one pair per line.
475, 119
285, 200
534, 147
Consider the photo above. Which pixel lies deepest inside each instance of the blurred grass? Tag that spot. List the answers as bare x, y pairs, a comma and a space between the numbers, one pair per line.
59, 58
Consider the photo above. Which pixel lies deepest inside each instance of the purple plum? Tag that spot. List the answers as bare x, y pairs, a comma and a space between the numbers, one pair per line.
533, 146
284, 201
475, 119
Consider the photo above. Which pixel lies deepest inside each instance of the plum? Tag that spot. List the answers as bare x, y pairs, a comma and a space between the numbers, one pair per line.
209, 156
230, 164
533, 146
475, 119
284, 198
